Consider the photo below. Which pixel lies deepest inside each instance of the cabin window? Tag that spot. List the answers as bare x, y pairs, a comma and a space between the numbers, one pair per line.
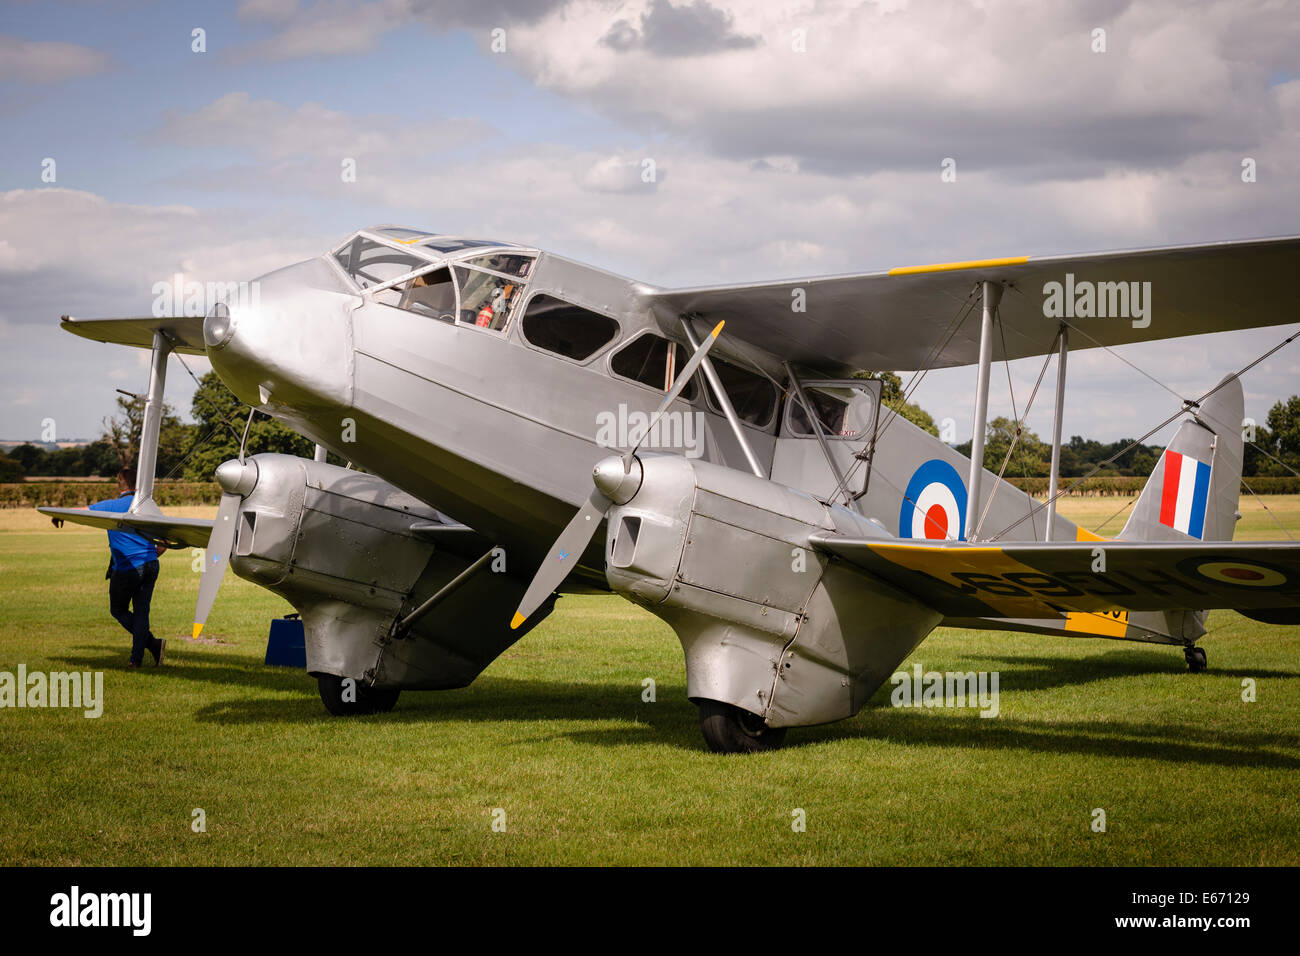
371, 263
752, 396
845, 411
569, 330
648, 360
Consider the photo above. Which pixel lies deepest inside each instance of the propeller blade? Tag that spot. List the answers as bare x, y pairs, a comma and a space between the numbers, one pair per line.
216, 557
563, 556
683, 379
577, 534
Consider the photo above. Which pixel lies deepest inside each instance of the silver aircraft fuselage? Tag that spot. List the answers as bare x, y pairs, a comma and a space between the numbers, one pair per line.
491, 429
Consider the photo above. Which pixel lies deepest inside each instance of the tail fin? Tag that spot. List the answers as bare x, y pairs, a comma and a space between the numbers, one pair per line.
1192, 493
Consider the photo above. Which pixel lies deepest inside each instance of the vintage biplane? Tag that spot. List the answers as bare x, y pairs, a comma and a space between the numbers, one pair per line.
518, 423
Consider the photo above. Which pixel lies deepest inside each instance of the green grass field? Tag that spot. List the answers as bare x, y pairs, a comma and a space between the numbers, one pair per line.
556, 734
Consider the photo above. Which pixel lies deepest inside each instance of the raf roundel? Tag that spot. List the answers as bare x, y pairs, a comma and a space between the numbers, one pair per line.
934, 505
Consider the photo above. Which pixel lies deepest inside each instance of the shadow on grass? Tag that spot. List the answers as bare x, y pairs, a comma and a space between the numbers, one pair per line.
1093, 738
672, 720
1020, 673
195, 664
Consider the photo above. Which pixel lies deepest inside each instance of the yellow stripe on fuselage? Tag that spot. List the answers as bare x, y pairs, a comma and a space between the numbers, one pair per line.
956, 266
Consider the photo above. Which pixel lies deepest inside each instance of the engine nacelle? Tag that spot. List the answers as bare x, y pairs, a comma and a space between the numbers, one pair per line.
354, 554
767, 623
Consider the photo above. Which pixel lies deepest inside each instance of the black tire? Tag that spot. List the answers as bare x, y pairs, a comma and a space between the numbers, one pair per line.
368, 700
1196, 659
728, 729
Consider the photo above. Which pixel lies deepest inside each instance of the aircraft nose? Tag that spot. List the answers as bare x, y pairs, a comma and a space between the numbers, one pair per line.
288, 345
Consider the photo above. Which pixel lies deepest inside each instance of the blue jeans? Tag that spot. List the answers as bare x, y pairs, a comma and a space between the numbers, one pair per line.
129, 592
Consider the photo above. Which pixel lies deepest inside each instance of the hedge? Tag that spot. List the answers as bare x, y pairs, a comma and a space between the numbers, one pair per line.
1131, 485
78, 494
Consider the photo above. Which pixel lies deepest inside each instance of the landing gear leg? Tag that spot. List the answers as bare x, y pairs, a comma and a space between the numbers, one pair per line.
1196, 660
357, 698
729, 730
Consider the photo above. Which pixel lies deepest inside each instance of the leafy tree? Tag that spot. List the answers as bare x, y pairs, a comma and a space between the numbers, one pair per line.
29, 457
220, 418
10, 469
891, 396
122, 434
1280, 437
1032, 456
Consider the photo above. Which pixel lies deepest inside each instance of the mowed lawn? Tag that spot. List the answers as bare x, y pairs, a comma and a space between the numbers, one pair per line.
557, 736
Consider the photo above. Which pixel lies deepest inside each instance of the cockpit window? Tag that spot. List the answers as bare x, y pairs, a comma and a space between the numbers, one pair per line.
371, 263
486, 299
752, 396
429, 293
403, 235
647, 359
569, 330
510, 263
445, 244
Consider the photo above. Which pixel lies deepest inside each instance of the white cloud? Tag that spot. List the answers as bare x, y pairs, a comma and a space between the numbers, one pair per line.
36, 61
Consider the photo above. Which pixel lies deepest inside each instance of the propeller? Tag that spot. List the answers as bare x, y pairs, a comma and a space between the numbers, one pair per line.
216, 557
615, 484
236, 478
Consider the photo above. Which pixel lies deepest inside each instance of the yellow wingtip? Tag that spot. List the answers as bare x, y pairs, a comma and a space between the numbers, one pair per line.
519, 619
717, 329
197, 628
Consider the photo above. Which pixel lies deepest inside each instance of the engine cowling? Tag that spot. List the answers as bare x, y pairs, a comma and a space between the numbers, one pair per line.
767, 623
354, 555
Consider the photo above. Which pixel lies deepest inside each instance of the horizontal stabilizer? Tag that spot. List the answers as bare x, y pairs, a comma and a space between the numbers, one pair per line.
184, 331
1037, 579
163, 529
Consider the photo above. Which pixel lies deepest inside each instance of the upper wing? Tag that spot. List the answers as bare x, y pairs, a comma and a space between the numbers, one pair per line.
185, 331
899, 319
1035, 579
192, 532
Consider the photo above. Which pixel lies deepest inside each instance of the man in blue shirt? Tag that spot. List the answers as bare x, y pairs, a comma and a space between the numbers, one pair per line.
132, 571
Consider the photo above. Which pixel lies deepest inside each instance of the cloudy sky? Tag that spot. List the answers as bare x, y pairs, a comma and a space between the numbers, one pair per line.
789, 139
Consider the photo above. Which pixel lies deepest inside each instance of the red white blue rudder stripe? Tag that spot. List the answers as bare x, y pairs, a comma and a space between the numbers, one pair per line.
1185, 494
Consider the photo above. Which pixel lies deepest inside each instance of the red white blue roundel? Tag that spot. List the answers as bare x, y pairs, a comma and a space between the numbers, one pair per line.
934, 505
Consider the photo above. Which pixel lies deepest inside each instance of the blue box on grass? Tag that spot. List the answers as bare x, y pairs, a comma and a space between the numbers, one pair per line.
287, 645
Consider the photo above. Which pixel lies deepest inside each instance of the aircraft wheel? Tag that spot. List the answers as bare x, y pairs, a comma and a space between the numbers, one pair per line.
730, 730
368, 700
1196, 659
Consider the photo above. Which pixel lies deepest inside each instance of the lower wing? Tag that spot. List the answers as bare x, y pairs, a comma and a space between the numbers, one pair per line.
161, 529
1043, 580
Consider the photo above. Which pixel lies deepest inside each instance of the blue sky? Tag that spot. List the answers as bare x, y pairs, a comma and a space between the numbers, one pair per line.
773, 162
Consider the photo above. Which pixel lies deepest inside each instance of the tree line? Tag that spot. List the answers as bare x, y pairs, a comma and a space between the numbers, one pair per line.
193, 451
187, 451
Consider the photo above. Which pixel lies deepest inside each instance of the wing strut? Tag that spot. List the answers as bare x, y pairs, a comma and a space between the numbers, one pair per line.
1055, 478
723, 401
992, 295
147, 461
